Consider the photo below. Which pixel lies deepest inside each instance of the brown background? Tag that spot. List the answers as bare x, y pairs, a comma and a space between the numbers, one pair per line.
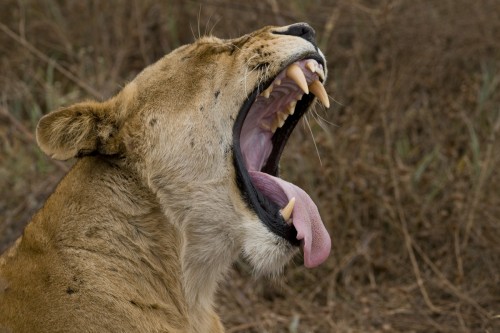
408, 184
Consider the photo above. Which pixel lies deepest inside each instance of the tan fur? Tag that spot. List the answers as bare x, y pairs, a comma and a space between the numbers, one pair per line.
137, 235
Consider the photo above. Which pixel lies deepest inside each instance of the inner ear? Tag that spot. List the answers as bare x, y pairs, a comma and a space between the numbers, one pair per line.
81, 129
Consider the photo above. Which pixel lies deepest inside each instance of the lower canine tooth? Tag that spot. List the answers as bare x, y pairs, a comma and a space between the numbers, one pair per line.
320, 92
286, 212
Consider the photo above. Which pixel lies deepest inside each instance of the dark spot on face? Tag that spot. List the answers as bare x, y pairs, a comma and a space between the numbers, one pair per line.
231, 117
91, 232
217, 93
153, 121
202, 108
133, 303
192, 143
70, 291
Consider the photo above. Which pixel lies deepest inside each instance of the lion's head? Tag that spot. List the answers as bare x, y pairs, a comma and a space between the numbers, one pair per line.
204, 128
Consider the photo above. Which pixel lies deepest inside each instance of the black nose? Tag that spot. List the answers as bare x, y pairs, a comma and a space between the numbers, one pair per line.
302, 30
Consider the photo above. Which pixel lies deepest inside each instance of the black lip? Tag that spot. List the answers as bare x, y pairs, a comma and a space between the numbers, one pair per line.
266, 210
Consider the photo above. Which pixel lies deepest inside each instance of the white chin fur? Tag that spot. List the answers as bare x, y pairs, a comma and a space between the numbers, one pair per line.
266, 252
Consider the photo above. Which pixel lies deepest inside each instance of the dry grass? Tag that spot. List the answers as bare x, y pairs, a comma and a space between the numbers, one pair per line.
409, 181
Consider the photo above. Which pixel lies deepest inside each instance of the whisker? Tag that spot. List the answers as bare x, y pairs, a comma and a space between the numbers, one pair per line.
321, 119
207, 24
247, 73
314, 140
199, 18
192, 31
334, 100
236, 46
216, 22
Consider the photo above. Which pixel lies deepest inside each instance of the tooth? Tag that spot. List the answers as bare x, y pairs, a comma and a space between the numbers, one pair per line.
299, 97
275, 125
291, 107
295, 73
311, 65
315, 68
286, 212
320, 92
281, 122
267, 92
282, 116
321, 73
265, 126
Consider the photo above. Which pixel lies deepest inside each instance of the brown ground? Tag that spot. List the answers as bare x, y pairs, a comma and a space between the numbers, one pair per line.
409, 185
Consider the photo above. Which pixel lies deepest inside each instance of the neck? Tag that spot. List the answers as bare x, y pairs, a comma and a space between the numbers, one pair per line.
184, 255
208, 245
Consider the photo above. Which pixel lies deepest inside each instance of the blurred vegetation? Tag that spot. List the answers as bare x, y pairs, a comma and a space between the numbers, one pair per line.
408, 184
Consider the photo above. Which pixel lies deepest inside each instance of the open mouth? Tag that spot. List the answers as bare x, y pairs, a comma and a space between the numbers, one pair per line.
261, 130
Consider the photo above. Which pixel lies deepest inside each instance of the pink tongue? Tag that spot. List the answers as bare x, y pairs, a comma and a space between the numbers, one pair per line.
310, 229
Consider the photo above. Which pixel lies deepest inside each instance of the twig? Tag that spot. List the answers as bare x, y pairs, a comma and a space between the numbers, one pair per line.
50, 61
402, 220
452, 288
140, 32
328, 28
28, 135
482, 180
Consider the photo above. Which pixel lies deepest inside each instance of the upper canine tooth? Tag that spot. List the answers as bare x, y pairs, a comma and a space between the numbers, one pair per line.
295, 73
320, 92
286, 212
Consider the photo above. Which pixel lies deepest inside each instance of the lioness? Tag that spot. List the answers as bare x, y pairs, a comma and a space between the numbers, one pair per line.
176, 176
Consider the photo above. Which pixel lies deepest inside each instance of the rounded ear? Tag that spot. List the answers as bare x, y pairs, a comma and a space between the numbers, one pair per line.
81, 129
